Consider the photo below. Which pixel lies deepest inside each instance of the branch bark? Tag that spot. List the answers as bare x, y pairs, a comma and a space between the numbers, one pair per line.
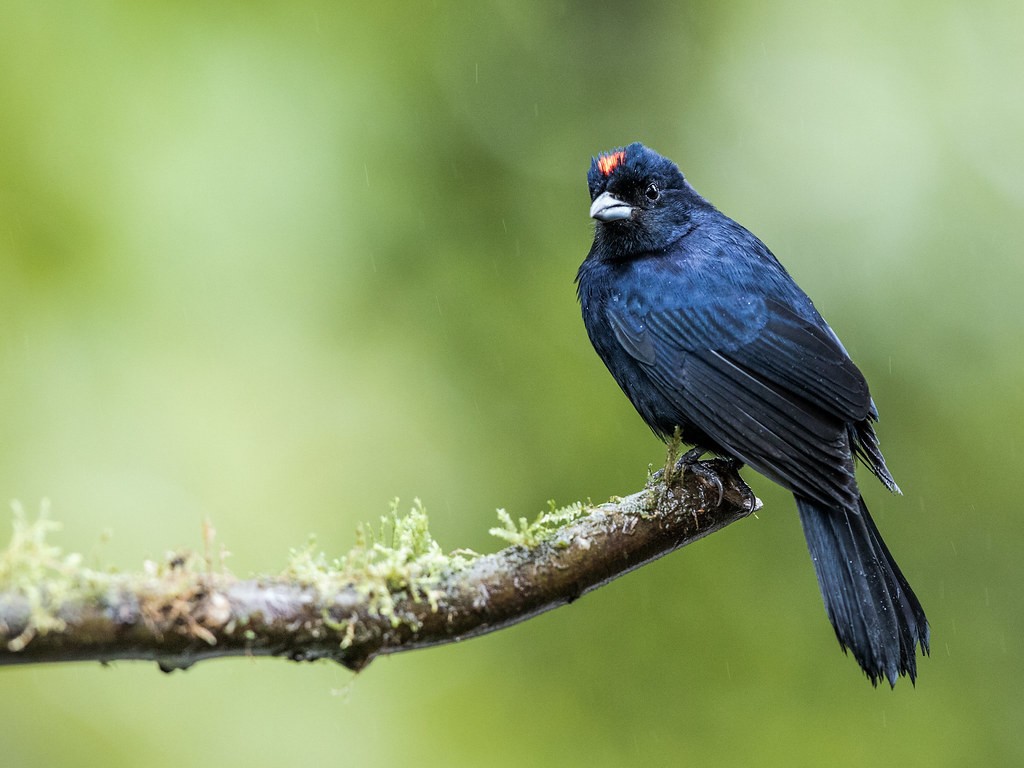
181, 616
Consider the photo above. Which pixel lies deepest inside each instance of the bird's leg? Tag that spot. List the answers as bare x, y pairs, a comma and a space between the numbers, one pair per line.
692, 456
735, 463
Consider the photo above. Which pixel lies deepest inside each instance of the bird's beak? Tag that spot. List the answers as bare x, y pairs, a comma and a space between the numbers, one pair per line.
607, 207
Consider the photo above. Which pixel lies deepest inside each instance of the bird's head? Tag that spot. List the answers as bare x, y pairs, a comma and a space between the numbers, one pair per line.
640, 200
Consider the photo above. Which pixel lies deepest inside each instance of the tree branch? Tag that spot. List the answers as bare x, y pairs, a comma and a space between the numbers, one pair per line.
379, 600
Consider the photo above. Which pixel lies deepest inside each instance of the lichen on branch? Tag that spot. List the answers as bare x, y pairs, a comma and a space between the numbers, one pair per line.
395, 590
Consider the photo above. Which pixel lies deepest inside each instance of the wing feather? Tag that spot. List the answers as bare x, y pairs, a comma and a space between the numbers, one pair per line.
771, 386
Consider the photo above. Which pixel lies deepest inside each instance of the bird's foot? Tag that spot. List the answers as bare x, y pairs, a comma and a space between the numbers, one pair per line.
707, 473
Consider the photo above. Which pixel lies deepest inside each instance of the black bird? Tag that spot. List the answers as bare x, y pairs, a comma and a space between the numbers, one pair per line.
706, 332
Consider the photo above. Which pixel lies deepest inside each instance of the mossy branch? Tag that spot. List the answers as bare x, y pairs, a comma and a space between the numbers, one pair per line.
394, 592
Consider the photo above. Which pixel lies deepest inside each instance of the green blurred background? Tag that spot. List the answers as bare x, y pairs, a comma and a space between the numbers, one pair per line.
273, 264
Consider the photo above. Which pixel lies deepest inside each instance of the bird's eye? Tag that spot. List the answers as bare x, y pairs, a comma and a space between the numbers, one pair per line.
652, 192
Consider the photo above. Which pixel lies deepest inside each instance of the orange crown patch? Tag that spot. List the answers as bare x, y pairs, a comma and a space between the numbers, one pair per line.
608, 163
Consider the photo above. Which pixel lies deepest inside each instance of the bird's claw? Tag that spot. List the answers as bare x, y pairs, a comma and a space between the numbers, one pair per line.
750, 503
708, 476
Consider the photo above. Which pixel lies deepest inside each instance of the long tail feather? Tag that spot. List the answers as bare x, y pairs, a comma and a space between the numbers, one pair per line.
872, 608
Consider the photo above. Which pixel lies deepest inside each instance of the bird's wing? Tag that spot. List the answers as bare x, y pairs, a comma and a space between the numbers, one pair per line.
770, 340
767, 383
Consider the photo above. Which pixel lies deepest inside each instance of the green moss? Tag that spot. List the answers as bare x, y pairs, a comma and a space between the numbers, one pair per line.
38, 571
400, 559
396, 560
47, 579
674, 451
527, 534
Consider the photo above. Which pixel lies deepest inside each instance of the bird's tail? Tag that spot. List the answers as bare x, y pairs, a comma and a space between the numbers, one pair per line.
871, 606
